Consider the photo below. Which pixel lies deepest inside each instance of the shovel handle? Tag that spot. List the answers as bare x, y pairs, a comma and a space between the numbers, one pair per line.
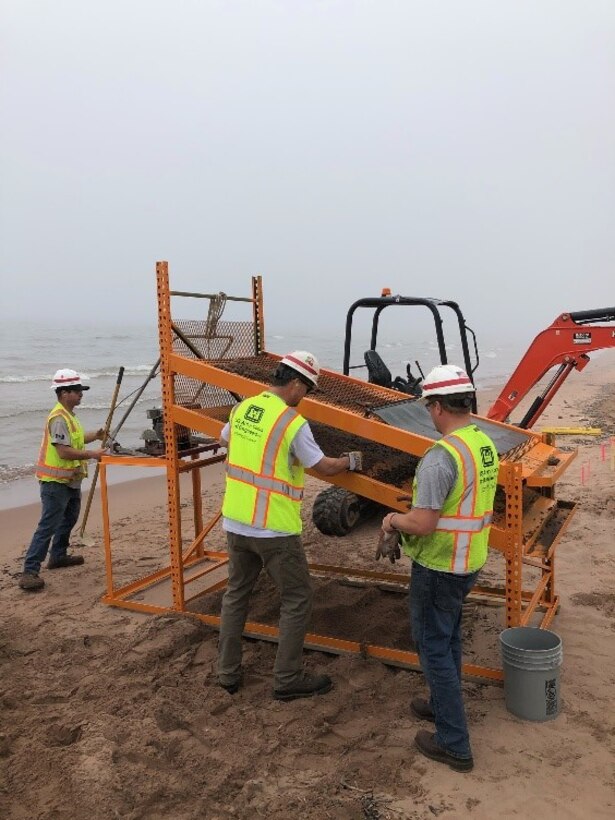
88, 504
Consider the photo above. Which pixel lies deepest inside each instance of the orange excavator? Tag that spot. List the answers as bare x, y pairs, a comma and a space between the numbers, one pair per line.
565, 344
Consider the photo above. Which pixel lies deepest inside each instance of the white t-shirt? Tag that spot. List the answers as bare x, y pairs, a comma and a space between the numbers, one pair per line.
303, 449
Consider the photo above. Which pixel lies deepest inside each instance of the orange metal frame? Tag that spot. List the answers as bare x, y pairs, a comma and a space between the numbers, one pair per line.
517, 536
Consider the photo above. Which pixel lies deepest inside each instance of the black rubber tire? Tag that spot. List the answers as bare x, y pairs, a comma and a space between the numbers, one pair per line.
336, 511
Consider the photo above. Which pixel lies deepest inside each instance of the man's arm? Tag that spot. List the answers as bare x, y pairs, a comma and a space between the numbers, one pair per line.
415, 522
436, 478
71, 454
225, 435
308, 453
94, 435
332, 466
58, 431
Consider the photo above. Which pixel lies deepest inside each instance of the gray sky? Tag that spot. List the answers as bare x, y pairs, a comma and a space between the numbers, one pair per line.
463, 150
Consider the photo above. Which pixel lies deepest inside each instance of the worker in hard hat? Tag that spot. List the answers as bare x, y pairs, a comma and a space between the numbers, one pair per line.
60, 470
269, 443
446, 534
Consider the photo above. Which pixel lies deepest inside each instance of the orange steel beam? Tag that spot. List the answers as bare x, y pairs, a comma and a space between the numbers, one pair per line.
104, 500
550, 614
188, 466
213, 588
258, 315
203, 532
355, 482
206, 571
316, 411
197, 508
170, 439
536, 597
533, 460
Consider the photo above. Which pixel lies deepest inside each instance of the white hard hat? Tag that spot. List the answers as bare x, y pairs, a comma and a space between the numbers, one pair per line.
67, 378
445, 380
306, 364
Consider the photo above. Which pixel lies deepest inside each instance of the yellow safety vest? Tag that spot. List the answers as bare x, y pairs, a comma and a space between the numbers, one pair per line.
50, 466
460, 541
262, 488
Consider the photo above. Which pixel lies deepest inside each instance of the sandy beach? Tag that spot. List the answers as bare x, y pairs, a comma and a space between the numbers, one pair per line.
106, 713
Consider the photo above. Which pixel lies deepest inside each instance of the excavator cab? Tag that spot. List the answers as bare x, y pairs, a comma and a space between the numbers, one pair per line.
377, 371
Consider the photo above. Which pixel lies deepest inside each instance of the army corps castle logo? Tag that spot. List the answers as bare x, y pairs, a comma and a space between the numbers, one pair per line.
486, 454
254, 414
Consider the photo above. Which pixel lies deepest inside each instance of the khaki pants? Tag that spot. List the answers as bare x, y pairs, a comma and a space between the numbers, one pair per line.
284, 560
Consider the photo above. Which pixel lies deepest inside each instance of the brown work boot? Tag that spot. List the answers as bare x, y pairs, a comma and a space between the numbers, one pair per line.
421, 708
305, 687
31, 581
65, 561
426, 744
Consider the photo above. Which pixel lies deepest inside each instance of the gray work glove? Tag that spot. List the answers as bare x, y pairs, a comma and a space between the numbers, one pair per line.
356, 461
389, 546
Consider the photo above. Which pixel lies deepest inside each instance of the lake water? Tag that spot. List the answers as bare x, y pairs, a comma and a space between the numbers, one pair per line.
31, 353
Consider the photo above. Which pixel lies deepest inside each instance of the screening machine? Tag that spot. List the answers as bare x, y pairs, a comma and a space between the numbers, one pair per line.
209, 365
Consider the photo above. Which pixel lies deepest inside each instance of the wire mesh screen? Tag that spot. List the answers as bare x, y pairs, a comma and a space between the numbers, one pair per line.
338, 391
211, 342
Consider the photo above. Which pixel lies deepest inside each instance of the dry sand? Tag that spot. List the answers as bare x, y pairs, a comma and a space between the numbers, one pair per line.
106, 713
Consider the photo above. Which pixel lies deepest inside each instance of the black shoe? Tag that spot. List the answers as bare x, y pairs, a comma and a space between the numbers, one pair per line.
31, 582
426, 744
65, 561
422, 709
231, 688
305, 687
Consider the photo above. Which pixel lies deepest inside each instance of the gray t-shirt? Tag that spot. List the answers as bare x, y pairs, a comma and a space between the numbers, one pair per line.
436, 477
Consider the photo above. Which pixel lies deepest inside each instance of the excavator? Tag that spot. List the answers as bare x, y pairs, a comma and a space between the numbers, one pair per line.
565, 345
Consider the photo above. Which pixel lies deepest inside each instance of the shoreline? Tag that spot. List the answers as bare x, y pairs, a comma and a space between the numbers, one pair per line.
24, 491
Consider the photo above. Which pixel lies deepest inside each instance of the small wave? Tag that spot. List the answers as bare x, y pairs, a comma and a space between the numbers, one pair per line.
42, 410
129, 370
13, 473
21, 379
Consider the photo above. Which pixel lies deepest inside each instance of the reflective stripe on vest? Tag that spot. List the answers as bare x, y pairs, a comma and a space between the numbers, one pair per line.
464, 522
263, 467
50, 467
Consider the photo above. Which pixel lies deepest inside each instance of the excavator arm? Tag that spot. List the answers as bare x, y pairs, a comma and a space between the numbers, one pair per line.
565, 344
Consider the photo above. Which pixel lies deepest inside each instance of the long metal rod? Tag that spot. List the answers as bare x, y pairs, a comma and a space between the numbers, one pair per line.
138, 395
209, 296
116, 390
151, 375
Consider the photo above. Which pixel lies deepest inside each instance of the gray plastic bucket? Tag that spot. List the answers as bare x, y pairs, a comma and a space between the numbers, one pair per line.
532, 658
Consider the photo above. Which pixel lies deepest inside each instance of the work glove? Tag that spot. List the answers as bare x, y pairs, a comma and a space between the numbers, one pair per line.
356, 461
389, 546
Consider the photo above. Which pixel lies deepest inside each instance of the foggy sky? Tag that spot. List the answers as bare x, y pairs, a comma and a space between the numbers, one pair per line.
463, 150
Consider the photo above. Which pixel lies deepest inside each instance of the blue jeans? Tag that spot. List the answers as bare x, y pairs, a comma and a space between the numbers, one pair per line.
436, 600
61, 506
